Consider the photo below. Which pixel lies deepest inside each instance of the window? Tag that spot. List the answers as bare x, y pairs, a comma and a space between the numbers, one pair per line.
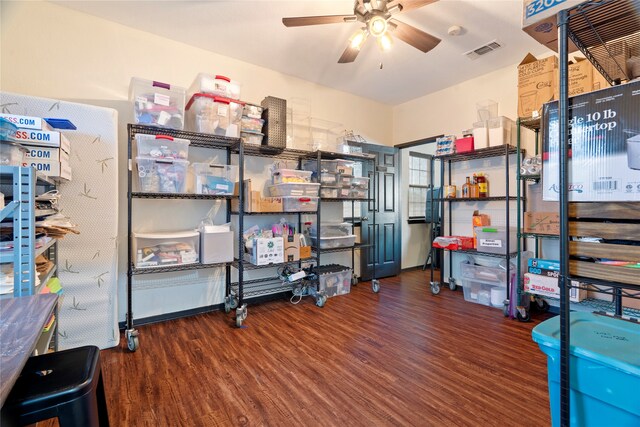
418, 185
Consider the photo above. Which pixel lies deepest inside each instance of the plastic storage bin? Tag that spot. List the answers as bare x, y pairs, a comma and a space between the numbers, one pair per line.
332, 229
358, 193
252, 125
486, 109
334, 280
253, 111
480, 135
345, 180
605, 369
494, 239
7, 130
345, 167
330, 166
11, 154
334, 242
300, 204
156, 103
163, 249
501, 131
211, 114
332, 192
162, 175
215, 85
294, 189
484, 285
215, 179
327, 178
291, 175
252, 138
360, 183
162, 147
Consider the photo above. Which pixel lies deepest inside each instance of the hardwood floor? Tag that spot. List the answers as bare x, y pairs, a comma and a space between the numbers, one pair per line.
401, 357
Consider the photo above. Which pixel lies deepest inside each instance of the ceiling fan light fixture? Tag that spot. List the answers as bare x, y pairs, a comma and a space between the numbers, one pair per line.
396, 8
377, 26
358, 38
385, 42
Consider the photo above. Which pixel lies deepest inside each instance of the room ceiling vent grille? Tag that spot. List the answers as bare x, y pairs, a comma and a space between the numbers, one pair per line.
483, 50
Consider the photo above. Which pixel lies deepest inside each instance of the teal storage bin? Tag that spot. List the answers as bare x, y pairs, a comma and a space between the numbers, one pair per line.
605, 369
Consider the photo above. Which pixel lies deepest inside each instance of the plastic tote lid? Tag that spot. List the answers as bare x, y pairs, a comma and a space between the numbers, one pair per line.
215, 98
608, 341
226, 79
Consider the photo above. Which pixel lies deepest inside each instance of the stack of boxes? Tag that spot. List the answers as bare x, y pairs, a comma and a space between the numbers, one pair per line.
541, 279
48, 150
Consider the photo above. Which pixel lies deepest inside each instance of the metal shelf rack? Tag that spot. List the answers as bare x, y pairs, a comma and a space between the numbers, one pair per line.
446, 161
590, 25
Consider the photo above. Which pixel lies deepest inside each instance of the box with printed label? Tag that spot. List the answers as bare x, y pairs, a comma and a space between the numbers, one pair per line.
43, 138
46, 154
292, 248
543, 272
267, 251
544, 263
604, 146
548, 287
52, 169
494, 239
536, 84
580, 77
26, 122
539, 20
542, 223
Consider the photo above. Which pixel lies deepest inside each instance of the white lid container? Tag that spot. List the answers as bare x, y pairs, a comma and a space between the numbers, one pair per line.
334, 242
215, 179
215, 85
212, 114
332, 229
299, 204
502, 130
162, 175
294, 189
162, 147
166, 248
291, 175
252, 138
480, 135
156, 103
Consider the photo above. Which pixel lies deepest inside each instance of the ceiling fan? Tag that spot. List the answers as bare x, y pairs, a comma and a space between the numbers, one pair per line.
377, 17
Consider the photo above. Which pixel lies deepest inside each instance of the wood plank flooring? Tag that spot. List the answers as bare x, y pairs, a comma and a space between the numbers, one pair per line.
401, 357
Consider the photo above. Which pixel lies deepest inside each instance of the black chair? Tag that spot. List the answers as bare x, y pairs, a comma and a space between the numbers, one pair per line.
66, 385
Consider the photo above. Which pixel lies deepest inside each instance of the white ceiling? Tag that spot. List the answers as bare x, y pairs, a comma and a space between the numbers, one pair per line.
252, 31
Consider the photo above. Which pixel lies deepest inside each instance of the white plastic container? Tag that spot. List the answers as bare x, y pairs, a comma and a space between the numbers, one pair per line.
165, 249
211, 114
252, 138
162, 175
345, 167
300, 204
501, 131
327, 178
334, 242
294, 189
360, 183
252, 125
215, 179
335, 283
291, 175
12, 154
358, 193
252, 111
331, 192
484, 285
162, 147
215, 85
345, 180
494, 239
157, 104
330, 166
480, 135
332, 229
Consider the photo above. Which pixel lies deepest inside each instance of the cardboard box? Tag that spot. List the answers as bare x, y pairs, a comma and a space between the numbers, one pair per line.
599, 82
604, 162
26, 122
536, 84
46, 154
543, 272
52, 169
305, 252
43, 138
267, 251
542, 222
478, 220
544, 263
292, 248
580, 77
539, 20
615, 62
270, 204
216, 247
549, 287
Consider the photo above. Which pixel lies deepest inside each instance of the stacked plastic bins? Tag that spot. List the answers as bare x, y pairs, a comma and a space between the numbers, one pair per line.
157, 104
166, 249
252, 123
332, 235
337, 180
298, 193
605, 369
162, 163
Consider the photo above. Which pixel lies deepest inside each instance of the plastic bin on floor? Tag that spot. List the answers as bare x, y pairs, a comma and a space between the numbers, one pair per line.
605, 369
334, 242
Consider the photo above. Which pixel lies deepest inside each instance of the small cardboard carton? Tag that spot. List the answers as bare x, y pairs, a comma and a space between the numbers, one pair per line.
548, 287
478, 220
542, 223
292, 248
536, 84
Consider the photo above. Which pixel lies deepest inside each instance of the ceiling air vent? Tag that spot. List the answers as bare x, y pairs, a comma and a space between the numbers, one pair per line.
483, 50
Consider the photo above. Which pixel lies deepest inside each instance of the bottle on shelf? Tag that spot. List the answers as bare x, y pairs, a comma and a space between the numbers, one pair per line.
483, 186
473, 189
466, 189
450, 191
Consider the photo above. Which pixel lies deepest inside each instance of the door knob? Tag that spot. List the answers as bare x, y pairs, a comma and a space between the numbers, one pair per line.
365, 218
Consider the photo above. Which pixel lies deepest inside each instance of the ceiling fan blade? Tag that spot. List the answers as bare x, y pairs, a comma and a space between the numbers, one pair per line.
409, 4
318, 20
349, 55
413, 36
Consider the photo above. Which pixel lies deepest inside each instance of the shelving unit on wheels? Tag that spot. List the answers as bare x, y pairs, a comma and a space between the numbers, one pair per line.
590, 25
446, 163
242, 290
371, 200
196, 140
23, 184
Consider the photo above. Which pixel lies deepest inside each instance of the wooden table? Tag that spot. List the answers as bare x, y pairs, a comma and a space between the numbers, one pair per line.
21, 322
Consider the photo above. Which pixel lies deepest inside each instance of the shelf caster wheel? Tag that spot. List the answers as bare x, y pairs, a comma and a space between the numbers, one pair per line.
321, 300
435, 288
354, 280
452, 284
132, 339
230, 303
241, 315
541, 305
523, 314
375, 285
505, 308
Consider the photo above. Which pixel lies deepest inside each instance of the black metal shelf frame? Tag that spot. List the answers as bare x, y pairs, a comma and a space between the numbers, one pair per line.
142, 195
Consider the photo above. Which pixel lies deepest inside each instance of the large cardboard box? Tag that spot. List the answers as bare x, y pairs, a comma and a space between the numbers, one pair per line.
542, 222
549, 287
43, 138
46, 154
536, 84
580, 77
615, 60
539, 20
292, 248
52, 169
599, 82
604, 144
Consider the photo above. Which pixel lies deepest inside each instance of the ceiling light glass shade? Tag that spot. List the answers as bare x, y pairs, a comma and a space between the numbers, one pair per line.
385, 42
377, 26
358, 38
